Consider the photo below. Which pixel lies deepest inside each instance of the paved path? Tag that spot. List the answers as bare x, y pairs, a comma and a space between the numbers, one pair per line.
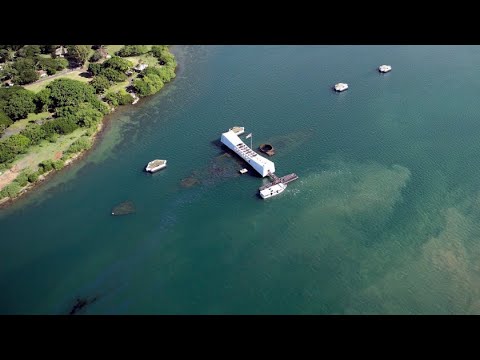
63, 72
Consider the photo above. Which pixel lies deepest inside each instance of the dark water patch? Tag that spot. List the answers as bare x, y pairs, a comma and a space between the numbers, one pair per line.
81, 304
124, 208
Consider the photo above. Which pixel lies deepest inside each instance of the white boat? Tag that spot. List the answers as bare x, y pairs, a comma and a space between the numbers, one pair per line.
273, 190
384, 68
238, 130
243, 171
340, 87
156, 165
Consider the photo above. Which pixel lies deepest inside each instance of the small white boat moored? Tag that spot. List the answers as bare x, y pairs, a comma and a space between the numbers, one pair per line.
156, 165
384, 68
243, 171
272, 190
340, 87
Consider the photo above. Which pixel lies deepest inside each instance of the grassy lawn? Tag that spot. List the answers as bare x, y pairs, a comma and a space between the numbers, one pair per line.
47, 151
112, 49
39, 116
146, 58
75, 75
118, 86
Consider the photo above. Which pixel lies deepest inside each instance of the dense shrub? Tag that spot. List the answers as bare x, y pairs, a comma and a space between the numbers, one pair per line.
113, 74
100, 83
22, 179
35, 133
33, 177
17, 143
97, 55
58, 164
5, 121
81, 144
148, 85
46, 166
60, 126
95, 68
158, 50
6, 153
11, 190
51, 66
42, 100
165, 73
119, 98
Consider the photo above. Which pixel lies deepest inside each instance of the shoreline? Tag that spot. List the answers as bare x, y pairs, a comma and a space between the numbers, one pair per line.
95, 138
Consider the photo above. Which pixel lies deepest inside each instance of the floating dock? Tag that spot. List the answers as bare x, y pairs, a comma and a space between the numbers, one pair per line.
279, 180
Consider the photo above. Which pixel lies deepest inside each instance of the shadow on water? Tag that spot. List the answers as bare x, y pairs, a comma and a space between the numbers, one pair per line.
81, 304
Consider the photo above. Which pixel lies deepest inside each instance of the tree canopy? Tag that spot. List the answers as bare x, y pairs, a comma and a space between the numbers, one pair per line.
132, 50
64, 92
25, 72
79, 53
117, 63
20, 104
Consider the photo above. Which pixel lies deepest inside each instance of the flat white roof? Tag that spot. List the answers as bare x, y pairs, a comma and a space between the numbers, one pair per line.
234, 139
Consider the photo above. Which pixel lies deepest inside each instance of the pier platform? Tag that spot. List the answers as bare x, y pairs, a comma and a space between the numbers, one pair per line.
279, 180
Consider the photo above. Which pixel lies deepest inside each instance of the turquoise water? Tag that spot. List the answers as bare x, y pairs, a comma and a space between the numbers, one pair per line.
384, 218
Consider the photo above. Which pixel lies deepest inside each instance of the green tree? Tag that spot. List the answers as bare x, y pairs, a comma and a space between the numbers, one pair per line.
24, 71
118, 63
29, 51
100, 83
35, 133
46, 166
8, 72
62, 63
165, 73
148, 85
64, 92
95, 69
18, 143
97, 55
6, 55
32, 177
22, 179
83, 114
59, 126
119, 98
132, 50
5, 121
6, 153
49, 65
42, 100
79, 53
157, 50
113, 75
26, 77
58, 164
20, 105
48, 49
11, 190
